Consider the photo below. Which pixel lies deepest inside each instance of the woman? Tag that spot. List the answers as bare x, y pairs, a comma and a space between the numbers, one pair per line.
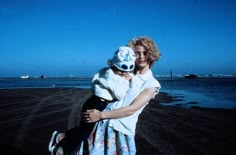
115, 130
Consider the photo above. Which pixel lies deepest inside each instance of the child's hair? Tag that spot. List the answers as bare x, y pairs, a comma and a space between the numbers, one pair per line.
123, 59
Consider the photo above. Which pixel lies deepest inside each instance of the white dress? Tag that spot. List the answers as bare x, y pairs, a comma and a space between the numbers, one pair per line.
116, 136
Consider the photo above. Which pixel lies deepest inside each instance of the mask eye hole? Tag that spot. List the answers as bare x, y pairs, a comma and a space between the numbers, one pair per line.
124, 67
131, 67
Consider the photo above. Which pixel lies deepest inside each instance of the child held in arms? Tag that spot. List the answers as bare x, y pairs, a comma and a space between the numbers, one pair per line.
110, 84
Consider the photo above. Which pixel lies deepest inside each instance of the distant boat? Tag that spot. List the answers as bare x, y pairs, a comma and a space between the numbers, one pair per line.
43, 77
24, 76
191, 76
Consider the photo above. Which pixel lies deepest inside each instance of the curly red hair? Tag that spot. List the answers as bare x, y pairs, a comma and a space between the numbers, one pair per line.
149, 45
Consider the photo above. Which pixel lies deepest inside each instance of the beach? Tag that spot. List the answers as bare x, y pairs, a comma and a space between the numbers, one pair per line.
29, 116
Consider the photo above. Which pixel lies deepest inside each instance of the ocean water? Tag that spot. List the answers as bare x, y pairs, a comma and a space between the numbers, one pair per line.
204, 92
12, 83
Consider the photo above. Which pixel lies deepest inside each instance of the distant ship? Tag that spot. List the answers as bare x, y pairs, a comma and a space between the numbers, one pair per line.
24, 76
191, 76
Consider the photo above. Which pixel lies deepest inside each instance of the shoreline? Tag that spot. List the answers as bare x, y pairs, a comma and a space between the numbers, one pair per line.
28, 117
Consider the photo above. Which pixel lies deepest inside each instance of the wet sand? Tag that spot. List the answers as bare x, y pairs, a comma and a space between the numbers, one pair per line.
28, 117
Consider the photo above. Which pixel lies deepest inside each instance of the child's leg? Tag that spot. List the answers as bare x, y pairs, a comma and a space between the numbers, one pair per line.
76, 135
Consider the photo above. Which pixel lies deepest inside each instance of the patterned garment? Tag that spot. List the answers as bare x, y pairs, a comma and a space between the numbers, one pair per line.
104, 140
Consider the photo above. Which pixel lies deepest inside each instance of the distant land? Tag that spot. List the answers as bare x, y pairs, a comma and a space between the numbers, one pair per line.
199, 75
176, 76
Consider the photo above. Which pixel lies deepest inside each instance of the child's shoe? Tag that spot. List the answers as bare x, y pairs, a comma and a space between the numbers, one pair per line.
53, 140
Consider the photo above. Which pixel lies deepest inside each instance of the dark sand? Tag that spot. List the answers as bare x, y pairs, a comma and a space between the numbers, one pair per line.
28, 117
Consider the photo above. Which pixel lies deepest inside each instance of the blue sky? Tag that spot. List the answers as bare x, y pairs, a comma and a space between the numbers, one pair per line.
64, 37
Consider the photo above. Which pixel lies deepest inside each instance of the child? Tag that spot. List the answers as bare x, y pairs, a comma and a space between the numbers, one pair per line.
108, 85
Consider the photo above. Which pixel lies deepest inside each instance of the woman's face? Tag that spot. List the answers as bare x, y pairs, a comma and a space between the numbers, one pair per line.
141, 57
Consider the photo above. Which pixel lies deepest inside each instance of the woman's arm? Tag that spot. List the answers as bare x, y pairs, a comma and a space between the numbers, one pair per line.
144, 97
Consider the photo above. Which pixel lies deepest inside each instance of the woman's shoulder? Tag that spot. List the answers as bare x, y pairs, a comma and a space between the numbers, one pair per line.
152, 81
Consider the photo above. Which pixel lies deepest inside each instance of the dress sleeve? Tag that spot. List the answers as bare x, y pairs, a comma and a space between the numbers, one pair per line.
152, 83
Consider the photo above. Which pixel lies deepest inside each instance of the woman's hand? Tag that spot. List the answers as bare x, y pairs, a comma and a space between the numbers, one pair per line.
91, 116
